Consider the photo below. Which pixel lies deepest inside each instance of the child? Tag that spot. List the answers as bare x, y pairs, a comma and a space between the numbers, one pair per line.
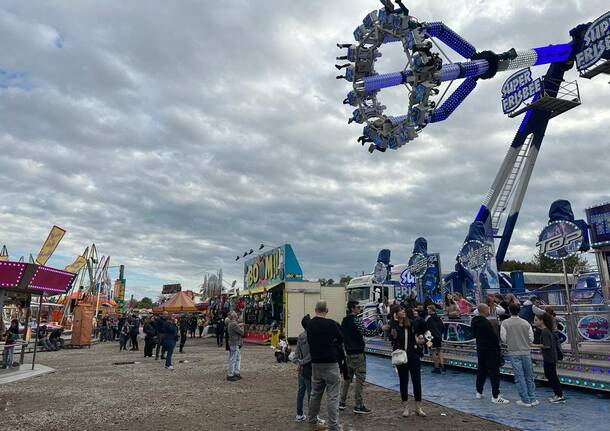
282, 350
12, 335
302, 357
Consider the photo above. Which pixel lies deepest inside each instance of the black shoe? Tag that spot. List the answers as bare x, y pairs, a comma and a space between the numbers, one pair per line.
237, 376
436, 371
444, 369
361, 410
342, 406
231, 378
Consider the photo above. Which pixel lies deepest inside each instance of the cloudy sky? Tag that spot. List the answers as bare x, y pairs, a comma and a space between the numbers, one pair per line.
176, 135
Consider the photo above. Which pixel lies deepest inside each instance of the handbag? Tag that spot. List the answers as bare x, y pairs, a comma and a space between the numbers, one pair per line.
399, 357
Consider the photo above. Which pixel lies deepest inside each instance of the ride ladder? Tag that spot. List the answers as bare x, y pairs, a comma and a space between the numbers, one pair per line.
509, 186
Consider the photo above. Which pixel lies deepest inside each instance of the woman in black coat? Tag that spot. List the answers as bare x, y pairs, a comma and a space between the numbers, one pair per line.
407, 333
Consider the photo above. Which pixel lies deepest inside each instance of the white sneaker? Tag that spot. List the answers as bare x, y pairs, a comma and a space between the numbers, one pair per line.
479, 396
320, 421
523, 404
171, 367
535, 403
555, 399
301, 418
405, 412
499, 400
420, 412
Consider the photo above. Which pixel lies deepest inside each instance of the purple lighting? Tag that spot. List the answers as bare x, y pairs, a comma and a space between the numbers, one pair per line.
51, 280
11, 273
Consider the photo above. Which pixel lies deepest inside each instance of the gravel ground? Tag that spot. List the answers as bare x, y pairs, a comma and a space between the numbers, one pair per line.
88, 392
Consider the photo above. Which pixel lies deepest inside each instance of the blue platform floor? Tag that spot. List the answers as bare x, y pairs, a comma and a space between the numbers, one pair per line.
456, 389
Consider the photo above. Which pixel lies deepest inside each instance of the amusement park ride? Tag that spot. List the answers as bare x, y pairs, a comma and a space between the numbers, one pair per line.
586, 362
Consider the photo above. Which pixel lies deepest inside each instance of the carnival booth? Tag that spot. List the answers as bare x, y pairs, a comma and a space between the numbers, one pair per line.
18, 282
276, 297
179, 303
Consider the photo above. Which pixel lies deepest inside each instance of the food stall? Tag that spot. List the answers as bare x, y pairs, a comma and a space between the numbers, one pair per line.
276, 296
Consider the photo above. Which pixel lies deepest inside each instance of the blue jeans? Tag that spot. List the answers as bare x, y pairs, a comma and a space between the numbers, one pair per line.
234, 361
304, 386
524, 377
7, 356
169, 346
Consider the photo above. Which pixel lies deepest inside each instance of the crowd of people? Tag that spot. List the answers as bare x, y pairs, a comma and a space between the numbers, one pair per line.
330, 357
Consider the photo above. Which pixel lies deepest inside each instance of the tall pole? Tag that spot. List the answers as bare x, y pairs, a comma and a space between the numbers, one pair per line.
570, 319
37, 331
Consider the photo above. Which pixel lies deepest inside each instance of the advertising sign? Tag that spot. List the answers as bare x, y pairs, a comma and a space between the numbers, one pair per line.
170, 289
560, 240
50, 245
418, 265
596, 43
119, 289
598, 218
474, 255
593, 328
518, 88
380, 272
271, 268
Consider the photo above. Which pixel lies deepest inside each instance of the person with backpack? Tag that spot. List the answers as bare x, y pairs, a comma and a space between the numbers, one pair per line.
551, 353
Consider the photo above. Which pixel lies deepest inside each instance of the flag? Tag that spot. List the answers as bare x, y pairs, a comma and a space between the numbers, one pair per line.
77, 265
50, 245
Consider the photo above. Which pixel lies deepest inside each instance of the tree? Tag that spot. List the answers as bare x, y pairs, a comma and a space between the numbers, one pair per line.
322, 281
330, 282
344, 280
516, 265
145, 302
545, 264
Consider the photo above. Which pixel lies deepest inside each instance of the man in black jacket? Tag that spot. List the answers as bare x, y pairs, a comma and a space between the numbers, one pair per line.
184, 325
160, 327
489, 354
323, 335
355, 358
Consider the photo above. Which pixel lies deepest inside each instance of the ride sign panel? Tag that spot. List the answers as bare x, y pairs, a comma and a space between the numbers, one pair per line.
560, 240
596, 43
418, 265
474, 255
518, 88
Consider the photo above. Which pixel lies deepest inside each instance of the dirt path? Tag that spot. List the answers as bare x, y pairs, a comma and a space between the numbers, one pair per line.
88, 392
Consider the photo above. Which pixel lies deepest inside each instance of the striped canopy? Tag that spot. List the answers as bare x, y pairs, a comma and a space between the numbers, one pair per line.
179, 302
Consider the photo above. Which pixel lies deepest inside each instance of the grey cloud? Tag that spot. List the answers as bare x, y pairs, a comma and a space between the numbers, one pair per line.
178, 136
